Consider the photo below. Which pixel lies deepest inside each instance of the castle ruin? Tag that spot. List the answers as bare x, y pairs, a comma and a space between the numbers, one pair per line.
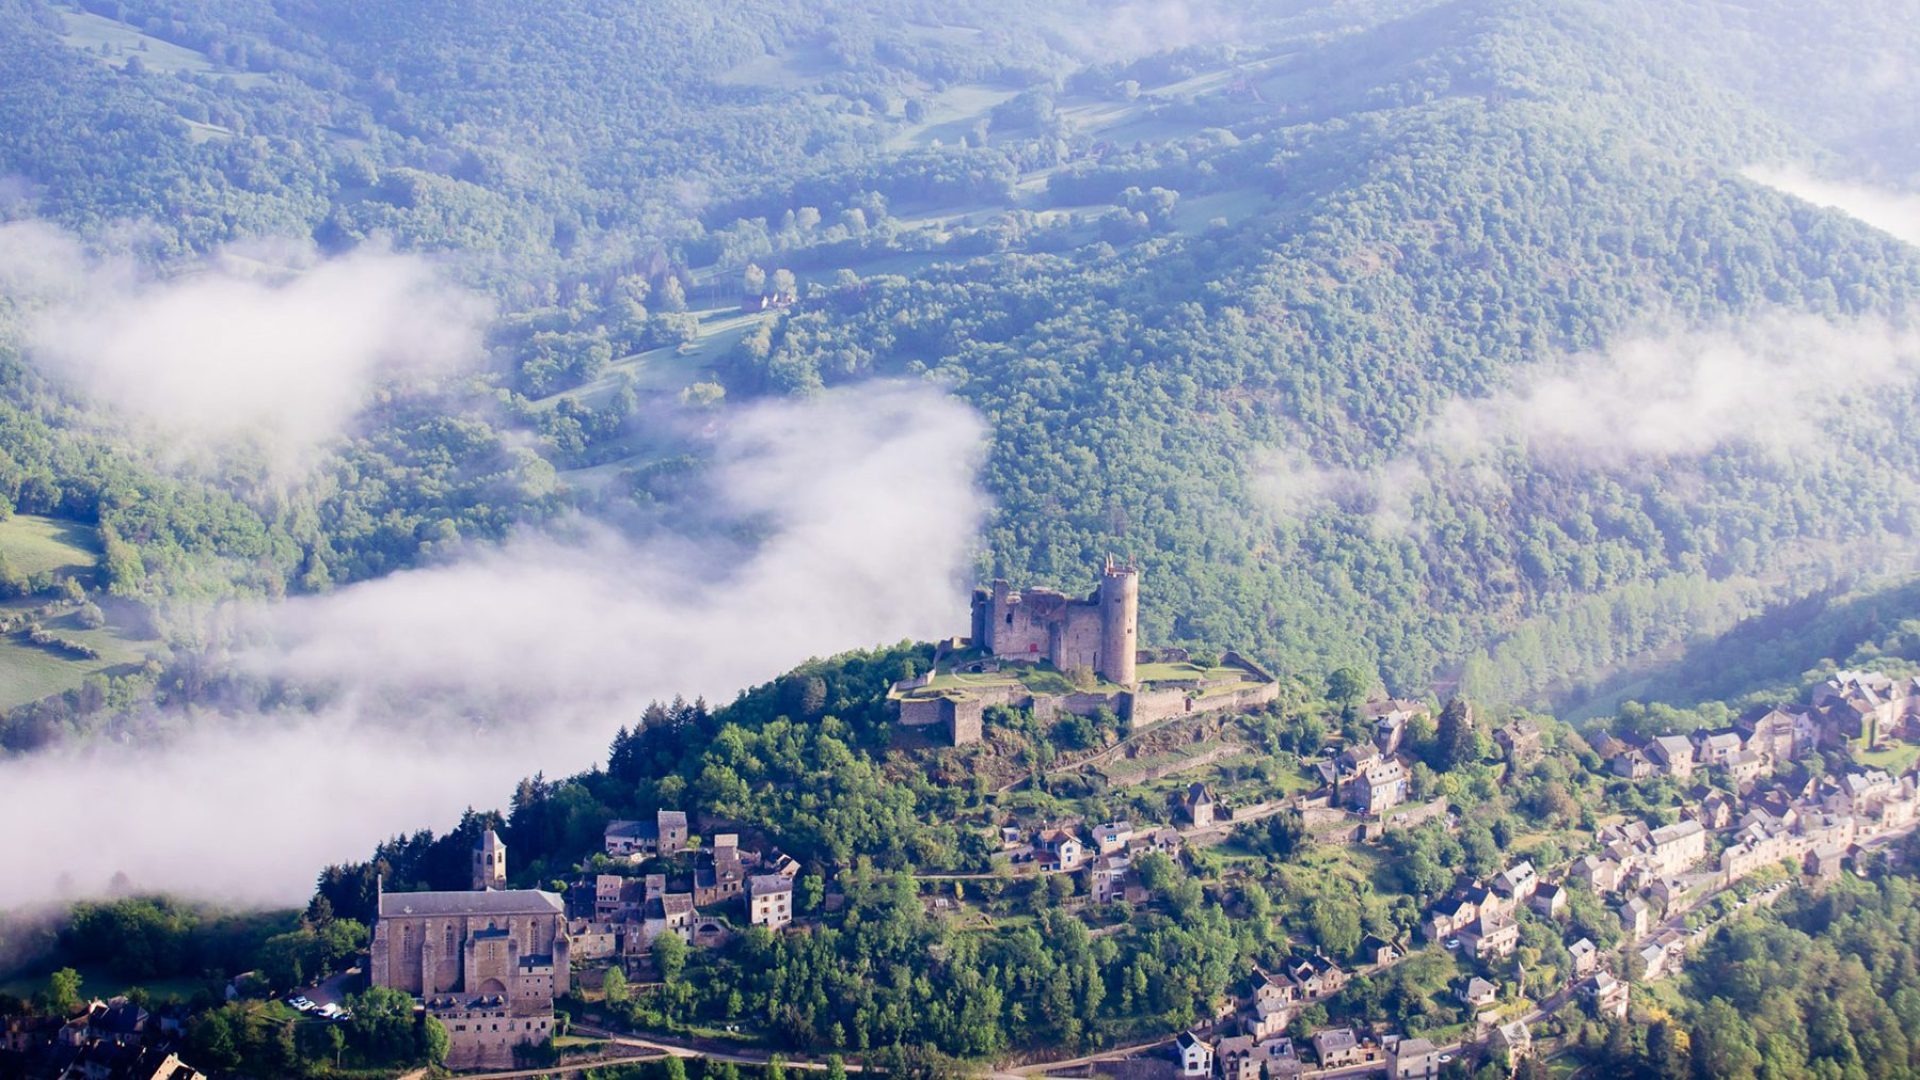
1045, 624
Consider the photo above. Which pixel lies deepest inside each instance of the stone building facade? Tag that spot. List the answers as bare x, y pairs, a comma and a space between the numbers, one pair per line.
1100, 632
486, 964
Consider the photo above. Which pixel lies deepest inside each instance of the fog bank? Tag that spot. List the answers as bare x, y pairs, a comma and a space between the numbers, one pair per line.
446, 685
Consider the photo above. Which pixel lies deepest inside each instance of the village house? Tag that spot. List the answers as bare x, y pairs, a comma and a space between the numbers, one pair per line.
1112, 878
1112, 836
1549, 901
1715, 812
1198, 803
1060, 850
666, 834
1781, 734
1194, 1054
1479, 994
1631, 764
1491, 935
1236, 1058
1585, 955
1517, 882
1337, 1048
1602, 874
1824, 863
1673, 754
1677, 846
1746, 768
666, 913
1380, 787
1449, 917
1277, 1057
1514, 1038
1389, 719
616, 897
1717, 748
1606, 995
1635, 918
1377, 951
1519, 740
1272, 1002
1857, 706
1357, 758
770, 900
1414, 1059
1315, 976
1162, 840
725, 874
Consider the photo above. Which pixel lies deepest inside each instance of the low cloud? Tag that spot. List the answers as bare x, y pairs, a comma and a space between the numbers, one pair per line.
444, 686
1771, 384
1137, 28
266, 345
1896, 213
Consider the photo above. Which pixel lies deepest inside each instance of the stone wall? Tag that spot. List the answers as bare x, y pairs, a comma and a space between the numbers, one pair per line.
966, 723
485, 1038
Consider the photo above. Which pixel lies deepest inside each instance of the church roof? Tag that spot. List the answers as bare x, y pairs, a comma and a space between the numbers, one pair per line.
500, 902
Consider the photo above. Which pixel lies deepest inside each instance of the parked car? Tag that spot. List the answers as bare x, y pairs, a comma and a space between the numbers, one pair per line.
329, 1011
299, 1001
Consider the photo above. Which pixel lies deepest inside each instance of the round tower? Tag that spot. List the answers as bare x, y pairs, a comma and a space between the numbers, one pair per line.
1119, 616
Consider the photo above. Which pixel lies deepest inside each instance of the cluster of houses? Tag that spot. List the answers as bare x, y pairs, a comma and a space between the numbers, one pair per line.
1370, 777
614, 915
1247, 1057
1851, 708
104, 1040
1106, 856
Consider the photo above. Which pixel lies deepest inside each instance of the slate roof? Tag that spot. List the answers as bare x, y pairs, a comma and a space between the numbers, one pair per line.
502, 902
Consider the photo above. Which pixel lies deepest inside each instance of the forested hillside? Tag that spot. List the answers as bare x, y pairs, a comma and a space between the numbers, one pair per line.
1278, 301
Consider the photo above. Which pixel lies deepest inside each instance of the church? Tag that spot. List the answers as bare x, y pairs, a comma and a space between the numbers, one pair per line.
486, 963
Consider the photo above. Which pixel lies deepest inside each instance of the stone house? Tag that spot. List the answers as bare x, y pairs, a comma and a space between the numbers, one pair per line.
1586, 957
1413, 1059
1112, 836
1194, 1055
1602, 874
1517, 882
1198, 803
770, 900
1606, 995
1519, 740
1515, 1039
1479, 994
1060, 850
1631, 765
1337, 1048
1380, 787
1673, 754
1635, 918
1237, 1058
1490, 936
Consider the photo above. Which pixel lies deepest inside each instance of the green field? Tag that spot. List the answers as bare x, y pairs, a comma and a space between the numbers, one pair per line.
1895, 759
28, 672
95, 33
37, 545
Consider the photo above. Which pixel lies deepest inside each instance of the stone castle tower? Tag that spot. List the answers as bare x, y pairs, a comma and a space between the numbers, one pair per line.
1119, 617
489, 863
1100, 632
